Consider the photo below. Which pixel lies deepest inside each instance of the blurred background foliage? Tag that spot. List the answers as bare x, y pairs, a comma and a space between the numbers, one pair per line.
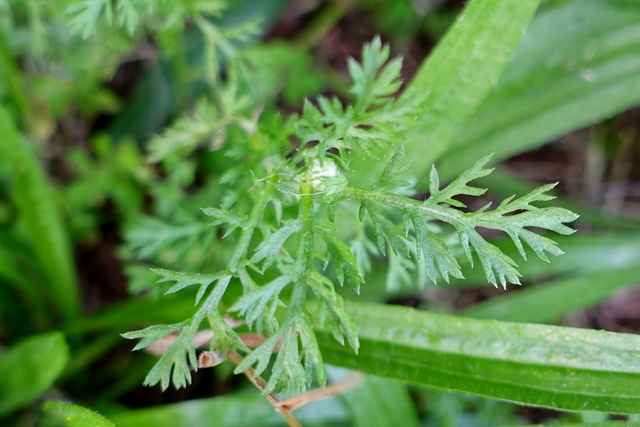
84, 214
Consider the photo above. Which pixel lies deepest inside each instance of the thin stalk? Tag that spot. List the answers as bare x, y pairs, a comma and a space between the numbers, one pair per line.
247, 231
261, 384
321, 24
333, 389
305, 248
432, 210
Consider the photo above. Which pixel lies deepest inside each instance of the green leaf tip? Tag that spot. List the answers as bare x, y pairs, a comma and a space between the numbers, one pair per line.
514, 216
373, 124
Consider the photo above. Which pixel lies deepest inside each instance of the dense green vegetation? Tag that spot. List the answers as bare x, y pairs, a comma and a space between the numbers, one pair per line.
213, 181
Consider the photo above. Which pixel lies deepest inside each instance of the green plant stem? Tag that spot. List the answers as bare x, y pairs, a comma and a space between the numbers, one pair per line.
324, 21
305, 248
307, 220
432, 210
247, 231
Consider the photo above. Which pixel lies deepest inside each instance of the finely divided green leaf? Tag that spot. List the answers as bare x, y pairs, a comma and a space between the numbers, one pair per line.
505, 183
184, 280
434, 252
224, 216
343, 261
289, 373
203, 126
385, 231
175, 365
512, 216
333, 305
261, 356
262, 302
584, 255
153, 333
373, 82
497, 266
148, 237
272, 245
372, 124
392, 171
460, 186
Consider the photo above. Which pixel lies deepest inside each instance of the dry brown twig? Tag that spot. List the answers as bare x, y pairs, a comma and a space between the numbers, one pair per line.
207, 359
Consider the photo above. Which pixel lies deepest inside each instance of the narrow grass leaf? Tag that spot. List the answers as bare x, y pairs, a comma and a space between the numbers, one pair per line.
592, 73
458, 75
548, 302
35, 199
548, 366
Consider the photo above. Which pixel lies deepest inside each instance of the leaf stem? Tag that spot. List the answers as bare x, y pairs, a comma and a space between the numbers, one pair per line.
431, 209
247, 230
261, 384
305, 247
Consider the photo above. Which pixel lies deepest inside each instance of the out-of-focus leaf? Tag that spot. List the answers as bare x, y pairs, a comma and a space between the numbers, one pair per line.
12, 274
462, 70
29, 368
122, 316
549, 366
58, 414
288, 69
594, 424
35, 200
458, 75
240, 410
377, 402
150, 106
577, 64
155, 100
546, 303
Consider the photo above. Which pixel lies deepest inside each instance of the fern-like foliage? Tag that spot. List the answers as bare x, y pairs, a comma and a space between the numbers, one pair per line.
175, 365
204, 126
287, 249
87, 15
373, 122
512, 216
